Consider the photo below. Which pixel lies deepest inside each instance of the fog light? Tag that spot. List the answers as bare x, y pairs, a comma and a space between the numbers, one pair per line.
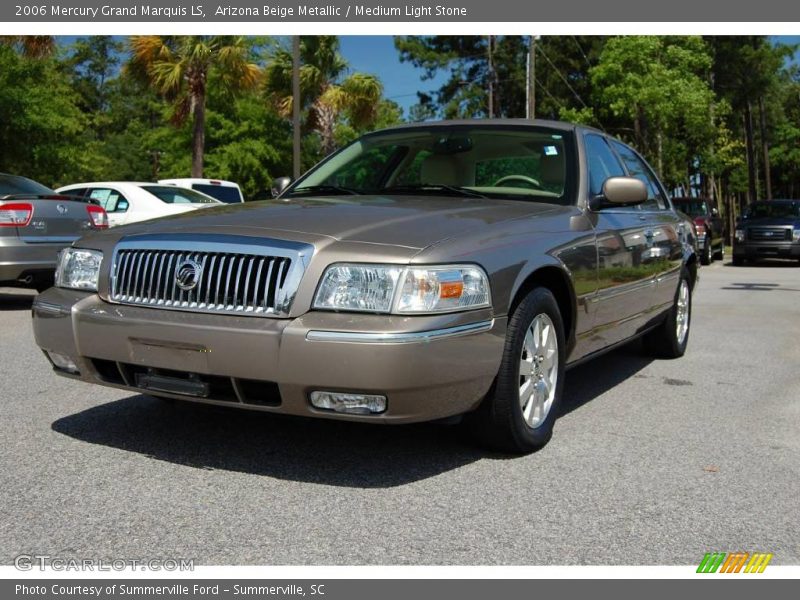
356, 404
63, 362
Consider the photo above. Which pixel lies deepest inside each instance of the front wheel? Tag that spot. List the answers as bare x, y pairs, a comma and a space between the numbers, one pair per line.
669, 339
519, 412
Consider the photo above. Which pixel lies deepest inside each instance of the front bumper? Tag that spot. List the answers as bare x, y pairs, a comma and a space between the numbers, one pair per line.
755, 250
427, 367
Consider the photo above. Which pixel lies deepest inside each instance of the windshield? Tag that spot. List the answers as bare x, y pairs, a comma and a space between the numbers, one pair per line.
773, 210
693, 208
176, 195
224, 193
13, 184
512, 163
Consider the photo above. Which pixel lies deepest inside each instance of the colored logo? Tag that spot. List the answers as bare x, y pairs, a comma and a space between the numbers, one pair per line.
187, 275
734, 562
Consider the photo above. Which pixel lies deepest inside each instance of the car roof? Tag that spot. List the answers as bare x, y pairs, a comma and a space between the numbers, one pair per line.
560, 125
211, 181
95, 183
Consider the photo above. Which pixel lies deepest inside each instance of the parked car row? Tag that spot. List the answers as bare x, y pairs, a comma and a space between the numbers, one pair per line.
37, 222
131, 202
431, 271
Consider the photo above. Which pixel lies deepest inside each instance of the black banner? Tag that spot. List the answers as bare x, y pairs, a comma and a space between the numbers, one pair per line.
400, 11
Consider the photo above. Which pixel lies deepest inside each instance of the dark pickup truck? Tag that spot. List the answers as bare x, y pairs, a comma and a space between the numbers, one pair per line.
708, 225
768, 229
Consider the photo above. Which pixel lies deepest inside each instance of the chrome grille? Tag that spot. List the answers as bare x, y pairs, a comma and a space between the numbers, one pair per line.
769, 234
225, 274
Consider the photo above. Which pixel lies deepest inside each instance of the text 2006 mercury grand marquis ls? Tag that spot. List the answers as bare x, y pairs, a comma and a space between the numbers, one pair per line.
421, 272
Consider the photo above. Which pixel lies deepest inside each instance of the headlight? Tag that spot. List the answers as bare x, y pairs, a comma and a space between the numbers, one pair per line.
395, 289
78, 269
358, 287
796, 235
739, 235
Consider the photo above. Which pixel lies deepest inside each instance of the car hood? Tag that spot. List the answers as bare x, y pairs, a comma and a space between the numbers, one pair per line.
413, 222
771, 221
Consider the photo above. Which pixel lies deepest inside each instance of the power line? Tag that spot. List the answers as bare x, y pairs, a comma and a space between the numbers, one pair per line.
561, 75
580, 48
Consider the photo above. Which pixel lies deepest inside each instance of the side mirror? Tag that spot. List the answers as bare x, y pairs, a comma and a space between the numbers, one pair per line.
621, 191
279, 185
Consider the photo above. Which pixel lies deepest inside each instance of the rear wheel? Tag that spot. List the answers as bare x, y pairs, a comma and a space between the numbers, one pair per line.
720, 254
519, 412
669, 339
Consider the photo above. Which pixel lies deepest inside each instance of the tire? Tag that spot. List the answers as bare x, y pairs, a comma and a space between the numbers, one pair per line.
720, 254
707, 257
500, 423
668, 340
738, 261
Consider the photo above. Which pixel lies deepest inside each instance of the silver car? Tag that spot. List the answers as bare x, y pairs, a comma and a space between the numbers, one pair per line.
35, 225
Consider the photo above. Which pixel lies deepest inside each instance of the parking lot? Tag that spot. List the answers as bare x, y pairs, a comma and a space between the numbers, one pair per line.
652, 462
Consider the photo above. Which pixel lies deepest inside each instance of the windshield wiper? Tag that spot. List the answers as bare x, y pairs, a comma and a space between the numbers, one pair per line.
323, 189
432, 187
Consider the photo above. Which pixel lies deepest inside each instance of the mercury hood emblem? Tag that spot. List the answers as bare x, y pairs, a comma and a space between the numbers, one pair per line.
187, 274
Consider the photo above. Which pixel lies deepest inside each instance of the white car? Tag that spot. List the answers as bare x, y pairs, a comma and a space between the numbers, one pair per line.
224, 191
130, 202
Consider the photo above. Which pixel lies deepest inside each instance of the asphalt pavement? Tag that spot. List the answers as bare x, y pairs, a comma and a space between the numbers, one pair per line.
652, 462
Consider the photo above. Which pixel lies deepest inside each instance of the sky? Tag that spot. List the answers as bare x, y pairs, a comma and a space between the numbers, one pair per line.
377, 54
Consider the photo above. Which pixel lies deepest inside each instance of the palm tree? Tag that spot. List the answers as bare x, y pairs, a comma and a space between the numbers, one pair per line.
31, 46
180, 68
326, 90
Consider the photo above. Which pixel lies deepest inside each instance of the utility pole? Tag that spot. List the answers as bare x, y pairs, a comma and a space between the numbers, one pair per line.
296, 106
491, 77
530, 105
765, 147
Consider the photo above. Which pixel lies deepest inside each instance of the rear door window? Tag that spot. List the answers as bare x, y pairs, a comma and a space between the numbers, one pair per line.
111, 200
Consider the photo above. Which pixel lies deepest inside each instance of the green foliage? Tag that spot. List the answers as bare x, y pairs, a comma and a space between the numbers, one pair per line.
467, 60
181, 68
659, 84
40, 121
335, 104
